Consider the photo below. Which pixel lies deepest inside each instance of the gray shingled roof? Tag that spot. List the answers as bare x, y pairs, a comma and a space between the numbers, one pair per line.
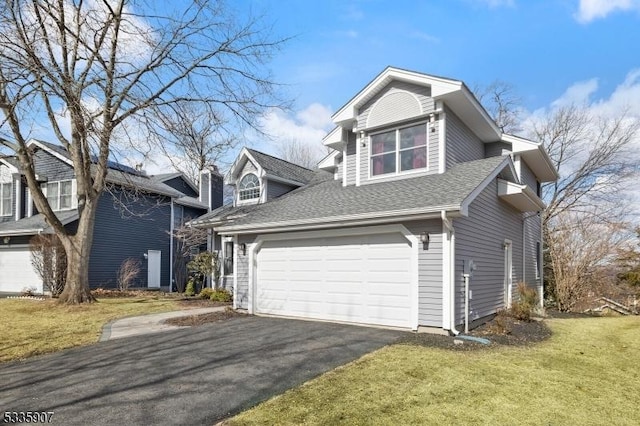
34, 224
281, 168
326, 200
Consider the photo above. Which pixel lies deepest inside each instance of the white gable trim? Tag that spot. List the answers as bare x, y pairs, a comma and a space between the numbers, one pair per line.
235, 169
10, 166
50, 151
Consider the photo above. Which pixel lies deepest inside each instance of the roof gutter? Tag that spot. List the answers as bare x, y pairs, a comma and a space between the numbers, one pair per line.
324, 222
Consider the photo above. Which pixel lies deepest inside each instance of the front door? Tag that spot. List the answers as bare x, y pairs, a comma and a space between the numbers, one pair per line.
508, 273
154, 258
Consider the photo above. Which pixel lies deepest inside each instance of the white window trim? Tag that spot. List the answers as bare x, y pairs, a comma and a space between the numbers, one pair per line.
10, 212
74, 190
249, 200
397, 152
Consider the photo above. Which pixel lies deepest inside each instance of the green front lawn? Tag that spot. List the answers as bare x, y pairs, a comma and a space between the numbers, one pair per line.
36, 327
588, 373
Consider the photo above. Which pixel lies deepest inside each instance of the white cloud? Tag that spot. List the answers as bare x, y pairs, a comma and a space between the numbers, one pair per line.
308, 126
590, 10
577, 94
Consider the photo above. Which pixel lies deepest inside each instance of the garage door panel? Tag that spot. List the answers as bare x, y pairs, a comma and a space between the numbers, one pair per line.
16, 271
364, 279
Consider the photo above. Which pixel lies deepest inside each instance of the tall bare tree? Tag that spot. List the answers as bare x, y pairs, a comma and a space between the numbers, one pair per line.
194, 137
503, 103
96, 70
300, 153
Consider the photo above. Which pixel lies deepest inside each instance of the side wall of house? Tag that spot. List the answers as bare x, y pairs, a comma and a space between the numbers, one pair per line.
351, 159
462, 144
179, 184
275, 189
242, 295
429, 272
496, 149
120, 234
480, 237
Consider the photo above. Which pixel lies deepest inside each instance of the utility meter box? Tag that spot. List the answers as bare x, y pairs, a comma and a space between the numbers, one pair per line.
468, 266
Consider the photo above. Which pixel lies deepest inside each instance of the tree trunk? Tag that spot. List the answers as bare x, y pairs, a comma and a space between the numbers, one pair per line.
78, 249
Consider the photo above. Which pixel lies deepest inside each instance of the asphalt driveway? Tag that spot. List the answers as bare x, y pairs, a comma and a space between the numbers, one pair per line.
193, 376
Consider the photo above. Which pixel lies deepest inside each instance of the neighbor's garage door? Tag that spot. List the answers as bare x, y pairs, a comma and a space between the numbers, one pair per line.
16, 271
363, 279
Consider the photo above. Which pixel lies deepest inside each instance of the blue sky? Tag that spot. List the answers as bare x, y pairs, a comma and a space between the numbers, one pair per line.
551, 51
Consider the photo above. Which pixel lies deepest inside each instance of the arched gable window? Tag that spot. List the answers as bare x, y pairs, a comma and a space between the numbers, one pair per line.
249, 187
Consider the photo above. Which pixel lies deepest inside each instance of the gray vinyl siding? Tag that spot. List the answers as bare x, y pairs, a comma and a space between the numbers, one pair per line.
480, 237
532, 226
462, 144
527, 177
339, 169
429, 272
119, 235
496, 149
248, 167
179, 184
242, 295
422, 93
351, 159
276, 189
51, 167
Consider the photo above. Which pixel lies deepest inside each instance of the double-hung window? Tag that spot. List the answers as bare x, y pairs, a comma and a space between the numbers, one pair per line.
399, 150
59, 195
6, 198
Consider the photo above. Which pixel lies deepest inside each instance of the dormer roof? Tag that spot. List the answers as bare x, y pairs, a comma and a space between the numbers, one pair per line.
454, 93
271, 167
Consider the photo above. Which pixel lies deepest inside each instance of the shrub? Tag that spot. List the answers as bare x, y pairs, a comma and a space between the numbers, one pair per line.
49, 261
128, 272
191, 288
221, 295
524, 307
206, 293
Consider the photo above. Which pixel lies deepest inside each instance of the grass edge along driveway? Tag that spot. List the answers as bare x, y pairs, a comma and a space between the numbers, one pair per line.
32, 327
587, 373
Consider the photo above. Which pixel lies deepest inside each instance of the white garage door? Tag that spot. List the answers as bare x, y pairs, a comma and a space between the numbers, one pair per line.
363, 279
16, 271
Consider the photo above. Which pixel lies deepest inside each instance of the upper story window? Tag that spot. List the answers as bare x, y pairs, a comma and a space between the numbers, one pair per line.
399, 150
6, 191
249, 187
59, 195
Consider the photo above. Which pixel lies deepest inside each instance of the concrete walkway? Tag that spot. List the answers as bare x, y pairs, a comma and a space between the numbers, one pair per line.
151, 323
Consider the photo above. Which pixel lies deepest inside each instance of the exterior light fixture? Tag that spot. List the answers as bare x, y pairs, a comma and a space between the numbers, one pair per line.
6, 240
243, 249
145, 255
424, 238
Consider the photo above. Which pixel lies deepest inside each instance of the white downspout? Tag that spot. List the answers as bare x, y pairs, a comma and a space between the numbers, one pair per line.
452, 280
466, 303
171, 249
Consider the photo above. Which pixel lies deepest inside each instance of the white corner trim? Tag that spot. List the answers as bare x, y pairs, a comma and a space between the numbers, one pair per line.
442, 137
344, 164
359, 141
18, 198
235, 264
446, 281
253, 264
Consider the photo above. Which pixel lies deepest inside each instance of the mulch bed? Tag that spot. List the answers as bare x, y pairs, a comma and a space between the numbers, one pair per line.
200, 303
195, 320
501, 331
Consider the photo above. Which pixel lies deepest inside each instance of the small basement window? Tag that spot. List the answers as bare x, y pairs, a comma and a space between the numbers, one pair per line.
249, 187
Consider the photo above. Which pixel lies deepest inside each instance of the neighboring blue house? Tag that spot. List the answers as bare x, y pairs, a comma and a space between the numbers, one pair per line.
135, 217
424, 215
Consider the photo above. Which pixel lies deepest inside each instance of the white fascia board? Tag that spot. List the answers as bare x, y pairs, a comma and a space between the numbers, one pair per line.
329, 162
334, 138
283, 180
519, 196
33, 231
10, 166
49, 150
466, 106
340, 221
230, 178
535, 155
439, 86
